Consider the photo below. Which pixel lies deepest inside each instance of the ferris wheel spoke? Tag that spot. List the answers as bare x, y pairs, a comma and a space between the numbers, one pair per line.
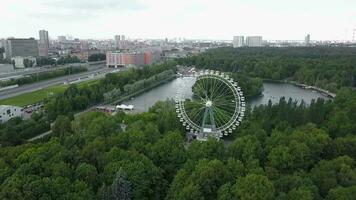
198, 102
221, 116
213, 85
213, 89
200, 86
227, 114
199, 96
225, 91
225, 102
205, 85
194, 113
226, 107
218, 89
193, 110
219, 121
224, 111
224, 96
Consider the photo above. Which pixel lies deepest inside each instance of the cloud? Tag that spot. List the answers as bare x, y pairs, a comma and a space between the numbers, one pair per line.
80, 10
94, 5
274, 19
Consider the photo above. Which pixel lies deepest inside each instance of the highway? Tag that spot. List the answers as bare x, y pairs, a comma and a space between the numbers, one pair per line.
22, 72
46, 83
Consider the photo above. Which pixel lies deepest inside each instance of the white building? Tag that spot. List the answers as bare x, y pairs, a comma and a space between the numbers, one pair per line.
238, 41
254, 41
21, 62
9, 112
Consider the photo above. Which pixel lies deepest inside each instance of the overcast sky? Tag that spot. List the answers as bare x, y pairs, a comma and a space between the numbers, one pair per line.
199, 19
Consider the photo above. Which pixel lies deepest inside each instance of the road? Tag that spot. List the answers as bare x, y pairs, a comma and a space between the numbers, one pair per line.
43, 84
21, 72
40, 136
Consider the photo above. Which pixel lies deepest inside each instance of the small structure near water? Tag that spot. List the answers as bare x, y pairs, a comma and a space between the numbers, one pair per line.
124, 107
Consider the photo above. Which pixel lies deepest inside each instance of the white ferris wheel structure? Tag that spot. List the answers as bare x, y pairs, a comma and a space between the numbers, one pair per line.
215, 108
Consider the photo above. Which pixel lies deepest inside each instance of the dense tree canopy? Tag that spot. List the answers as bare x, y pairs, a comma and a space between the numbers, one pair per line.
276, 154
97, 57
326, 67
281, 151
75, 99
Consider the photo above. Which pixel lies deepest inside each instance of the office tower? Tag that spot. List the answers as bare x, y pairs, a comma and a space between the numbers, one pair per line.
62, 38
254, 41
238, 41
2, 43
21, 47
307, 39
117, 39
120, 42
43, 43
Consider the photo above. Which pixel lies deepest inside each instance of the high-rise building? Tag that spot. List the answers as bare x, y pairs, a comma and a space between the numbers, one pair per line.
254, 41
2, 43
238, 41
62, 38
117, 39
21, 47
307, 39
120, 42
43, 43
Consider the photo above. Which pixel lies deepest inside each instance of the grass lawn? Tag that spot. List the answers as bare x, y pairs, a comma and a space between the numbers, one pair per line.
33, 97
39, 95
87, 83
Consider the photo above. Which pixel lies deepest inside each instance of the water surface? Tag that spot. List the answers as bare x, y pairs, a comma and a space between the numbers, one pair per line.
272, 91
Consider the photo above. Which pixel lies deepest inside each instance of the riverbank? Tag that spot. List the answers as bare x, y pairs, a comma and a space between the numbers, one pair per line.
322, 91
144, 90
103, 104
304, 86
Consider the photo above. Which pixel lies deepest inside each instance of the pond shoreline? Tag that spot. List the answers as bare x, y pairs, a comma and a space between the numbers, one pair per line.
324, 92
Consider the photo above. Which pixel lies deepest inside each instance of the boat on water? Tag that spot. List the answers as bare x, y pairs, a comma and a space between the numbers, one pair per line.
124, 107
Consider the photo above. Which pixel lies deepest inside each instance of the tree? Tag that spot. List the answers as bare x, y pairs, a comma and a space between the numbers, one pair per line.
246, 148
97, 57
87, 173
301, 194
28, 63
62, 126
342, 193
120, 189
145, 178
169, 154
331, 174
190, 192
280, 158
225, 192
254, 187
207, 176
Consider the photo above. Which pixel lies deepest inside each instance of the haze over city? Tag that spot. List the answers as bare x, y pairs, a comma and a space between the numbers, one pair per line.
198, 19
178, 99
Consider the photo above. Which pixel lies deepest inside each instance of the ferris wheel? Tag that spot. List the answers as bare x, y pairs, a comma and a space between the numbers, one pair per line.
214, 107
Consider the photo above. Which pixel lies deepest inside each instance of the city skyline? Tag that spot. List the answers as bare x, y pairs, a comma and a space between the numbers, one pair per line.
154, 19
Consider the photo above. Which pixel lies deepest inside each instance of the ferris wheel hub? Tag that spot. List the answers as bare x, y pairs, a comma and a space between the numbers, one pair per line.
208, 103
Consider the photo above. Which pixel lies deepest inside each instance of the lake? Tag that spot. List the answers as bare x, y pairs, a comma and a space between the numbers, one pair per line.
272, 91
